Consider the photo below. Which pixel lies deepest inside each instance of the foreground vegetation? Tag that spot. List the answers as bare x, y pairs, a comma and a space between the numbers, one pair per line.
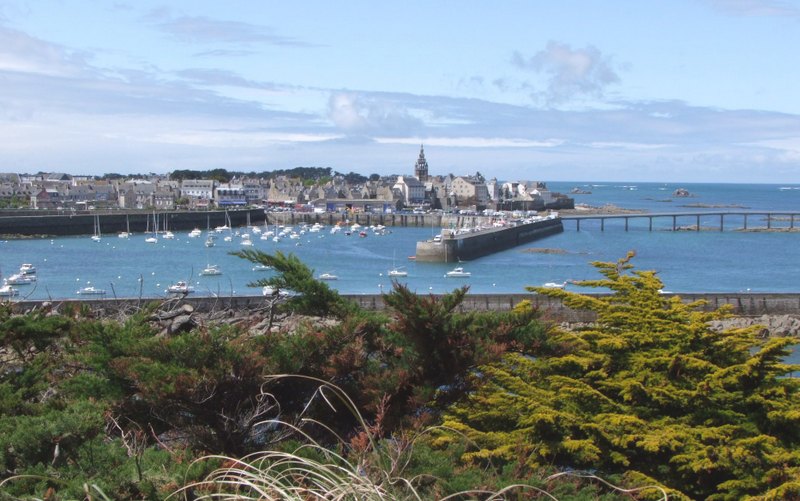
422, 401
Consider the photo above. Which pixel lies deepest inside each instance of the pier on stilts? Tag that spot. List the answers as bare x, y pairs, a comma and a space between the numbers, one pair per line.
743, 220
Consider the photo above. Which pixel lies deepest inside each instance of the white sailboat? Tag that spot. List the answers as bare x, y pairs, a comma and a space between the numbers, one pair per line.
396, 272
96, 236
127, 232
168, 235
154, 238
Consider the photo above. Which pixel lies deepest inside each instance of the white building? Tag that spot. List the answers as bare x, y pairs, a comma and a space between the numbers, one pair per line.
413, 191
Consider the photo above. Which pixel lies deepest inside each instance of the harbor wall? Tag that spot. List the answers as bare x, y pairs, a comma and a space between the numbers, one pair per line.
113, 222
64, 223
553, 309
453, 248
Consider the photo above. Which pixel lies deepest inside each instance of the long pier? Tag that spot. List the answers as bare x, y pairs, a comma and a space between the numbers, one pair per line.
771, 218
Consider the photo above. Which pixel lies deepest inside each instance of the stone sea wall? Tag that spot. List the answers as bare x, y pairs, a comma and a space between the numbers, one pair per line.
744, 305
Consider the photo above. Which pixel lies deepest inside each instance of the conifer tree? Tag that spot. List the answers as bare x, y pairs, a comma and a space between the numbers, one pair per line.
649, 391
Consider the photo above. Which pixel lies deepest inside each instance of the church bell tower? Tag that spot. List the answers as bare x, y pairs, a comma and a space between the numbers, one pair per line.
421, 167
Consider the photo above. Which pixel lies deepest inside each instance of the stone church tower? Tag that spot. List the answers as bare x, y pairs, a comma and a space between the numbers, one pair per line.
421, 168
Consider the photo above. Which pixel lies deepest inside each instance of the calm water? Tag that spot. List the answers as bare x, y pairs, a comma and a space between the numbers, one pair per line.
686, 261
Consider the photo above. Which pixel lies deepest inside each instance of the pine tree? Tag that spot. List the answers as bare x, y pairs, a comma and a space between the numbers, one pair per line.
649, 391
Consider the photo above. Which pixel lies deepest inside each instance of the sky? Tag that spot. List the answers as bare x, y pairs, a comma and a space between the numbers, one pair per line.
573, 90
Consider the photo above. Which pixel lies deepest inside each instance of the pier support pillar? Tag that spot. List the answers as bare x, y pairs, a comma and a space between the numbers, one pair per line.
602, 224
698, 224
745, 221
791, 222
651, 223
577, 225
721, 222
769, 221
674, 223
626, 224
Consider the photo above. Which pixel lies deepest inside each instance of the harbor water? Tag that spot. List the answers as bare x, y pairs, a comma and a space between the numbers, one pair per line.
687, 261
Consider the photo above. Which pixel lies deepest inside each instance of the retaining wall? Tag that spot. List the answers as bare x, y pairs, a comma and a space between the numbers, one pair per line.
748, 305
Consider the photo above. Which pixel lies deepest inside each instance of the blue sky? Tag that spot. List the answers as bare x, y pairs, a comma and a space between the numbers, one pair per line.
663, 90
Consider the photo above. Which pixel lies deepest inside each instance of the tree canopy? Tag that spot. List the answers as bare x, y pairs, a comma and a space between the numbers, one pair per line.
648, 391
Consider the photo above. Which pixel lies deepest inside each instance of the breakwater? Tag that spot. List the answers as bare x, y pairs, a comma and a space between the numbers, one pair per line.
553, 309
453, 246
66, 223
112, 222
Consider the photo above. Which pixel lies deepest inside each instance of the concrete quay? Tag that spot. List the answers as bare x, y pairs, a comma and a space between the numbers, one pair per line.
553, 309
112, 222
453, 247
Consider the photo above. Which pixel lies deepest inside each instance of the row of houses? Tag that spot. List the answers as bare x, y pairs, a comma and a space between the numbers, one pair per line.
387, 194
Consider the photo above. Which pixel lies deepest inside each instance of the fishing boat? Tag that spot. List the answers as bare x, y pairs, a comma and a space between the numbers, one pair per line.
328, 276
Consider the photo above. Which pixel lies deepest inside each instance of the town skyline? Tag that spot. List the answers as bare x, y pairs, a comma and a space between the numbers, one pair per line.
686, 91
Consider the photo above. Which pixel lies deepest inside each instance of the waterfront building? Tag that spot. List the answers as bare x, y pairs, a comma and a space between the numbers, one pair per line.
413, 191
199, 192
470, 191
229, 195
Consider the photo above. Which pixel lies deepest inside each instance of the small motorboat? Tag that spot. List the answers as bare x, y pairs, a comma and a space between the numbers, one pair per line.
457, 272
328, 276
211, 269
269, 290
180, 287
262, 267
7, 291
20, 279
27, 269
397, 272
555, 285
91, 291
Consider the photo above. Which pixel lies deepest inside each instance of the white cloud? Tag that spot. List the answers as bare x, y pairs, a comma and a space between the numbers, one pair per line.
472, 142
199, 29
571, 73
628, 146
360, 114
756, 8
23, 53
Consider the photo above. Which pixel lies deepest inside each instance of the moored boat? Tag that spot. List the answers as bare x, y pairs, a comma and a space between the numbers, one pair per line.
7, 291
457, 272
91, 291
211, 269
180, 287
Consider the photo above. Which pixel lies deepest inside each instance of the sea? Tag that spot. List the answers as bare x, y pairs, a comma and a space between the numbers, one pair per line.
686, 261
